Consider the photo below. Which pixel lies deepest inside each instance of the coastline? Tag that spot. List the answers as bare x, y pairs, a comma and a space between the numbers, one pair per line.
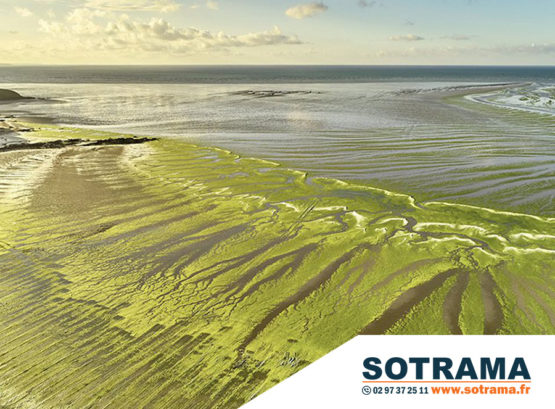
422, 140
159, 267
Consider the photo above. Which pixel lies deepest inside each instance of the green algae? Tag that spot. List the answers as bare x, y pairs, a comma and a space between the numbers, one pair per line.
173, 275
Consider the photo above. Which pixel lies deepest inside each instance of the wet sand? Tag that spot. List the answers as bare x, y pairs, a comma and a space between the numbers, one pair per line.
164, 274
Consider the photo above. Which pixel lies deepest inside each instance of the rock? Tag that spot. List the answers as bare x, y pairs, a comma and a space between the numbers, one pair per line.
9, 95
74, 142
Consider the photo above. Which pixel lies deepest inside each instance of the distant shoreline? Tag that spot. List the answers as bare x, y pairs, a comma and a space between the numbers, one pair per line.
270, 74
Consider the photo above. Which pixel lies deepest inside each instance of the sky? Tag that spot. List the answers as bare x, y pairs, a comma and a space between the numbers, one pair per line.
492, 32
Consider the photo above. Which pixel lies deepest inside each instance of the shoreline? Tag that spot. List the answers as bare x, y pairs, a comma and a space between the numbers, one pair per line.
99, 138
429, 145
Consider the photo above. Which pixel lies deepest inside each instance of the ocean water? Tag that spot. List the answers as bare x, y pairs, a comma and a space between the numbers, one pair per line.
437, 133
270, 74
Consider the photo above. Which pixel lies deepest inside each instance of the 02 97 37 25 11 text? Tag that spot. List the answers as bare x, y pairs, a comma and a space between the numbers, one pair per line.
395, 390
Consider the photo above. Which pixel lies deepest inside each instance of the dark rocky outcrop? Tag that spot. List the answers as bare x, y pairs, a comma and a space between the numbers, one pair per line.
74, 142
9, 95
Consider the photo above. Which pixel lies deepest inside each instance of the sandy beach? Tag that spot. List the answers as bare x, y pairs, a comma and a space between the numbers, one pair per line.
146, 273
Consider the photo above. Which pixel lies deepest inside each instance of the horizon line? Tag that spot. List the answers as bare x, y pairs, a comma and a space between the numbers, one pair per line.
276, 65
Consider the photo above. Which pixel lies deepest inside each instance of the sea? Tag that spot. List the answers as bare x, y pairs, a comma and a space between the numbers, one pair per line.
478, 135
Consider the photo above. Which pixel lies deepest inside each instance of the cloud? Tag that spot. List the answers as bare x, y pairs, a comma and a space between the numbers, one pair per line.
456, 37
212, 5
470, 51
164, 6
366, 3
407, 37
305, 10
78, 22
532, 48
23, 11
86, 29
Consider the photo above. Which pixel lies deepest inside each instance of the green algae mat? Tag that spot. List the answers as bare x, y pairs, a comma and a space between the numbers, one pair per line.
167, 275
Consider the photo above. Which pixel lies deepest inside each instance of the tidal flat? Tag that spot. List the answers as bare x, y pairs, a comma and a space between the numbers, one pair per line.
166, 274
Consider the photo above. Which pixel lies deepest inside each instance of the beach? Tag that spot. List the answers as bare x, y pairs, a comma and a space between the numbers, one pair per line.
168, 274
219, 205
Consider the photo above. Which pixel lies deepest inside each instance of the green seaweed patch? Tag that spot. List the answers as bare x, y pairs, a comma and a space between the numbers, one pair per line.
171, 275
